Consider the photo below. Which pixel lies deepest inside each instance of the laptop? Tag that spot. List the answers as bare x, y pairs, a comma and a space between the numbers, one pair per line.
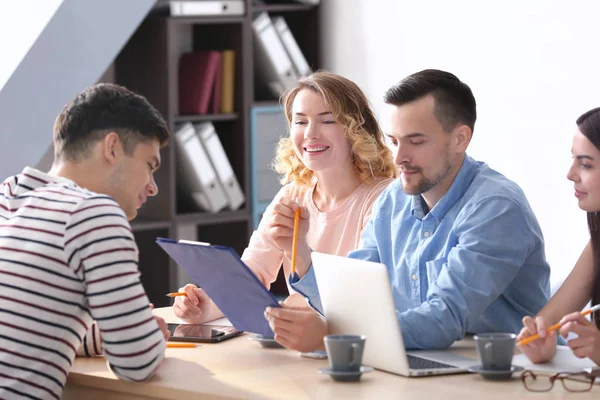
357, 299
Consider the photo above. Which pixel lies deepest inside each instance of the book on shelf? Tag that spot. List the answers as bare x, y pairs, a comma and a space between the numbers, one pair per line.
227, 81
301, 67
272, 63
197, 76
206, 7
215, 97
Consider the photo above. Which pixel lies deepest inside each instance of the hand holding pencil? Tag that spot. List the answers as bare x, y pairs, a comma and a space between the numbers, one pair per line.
538, 341
191, 304
286, 226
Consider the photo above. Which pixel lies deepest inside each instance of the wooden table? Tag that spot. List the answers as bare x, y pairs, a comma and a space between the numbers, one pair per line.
241, 369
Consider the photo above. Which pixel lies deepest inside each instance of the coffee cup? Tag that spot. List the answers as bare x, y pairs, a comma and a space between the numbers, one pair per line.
495, 350
345, 352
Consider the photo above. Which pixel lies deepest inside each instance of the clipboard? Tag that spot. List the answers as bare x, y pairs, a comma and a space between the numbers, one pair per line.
227, 280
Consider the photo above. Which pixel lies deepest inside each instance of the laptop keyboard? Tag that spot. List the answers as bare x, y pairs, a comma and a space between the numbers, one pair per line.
422, 363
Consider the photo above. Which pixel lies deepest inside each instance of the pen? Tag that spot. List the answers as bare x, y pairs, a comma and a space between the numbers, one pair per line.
295, 237
175, 294
556, 326
172, 345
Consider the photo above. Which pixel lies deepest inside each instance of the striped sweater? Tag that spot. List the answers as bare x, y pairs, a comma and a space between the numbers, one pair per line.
68, 258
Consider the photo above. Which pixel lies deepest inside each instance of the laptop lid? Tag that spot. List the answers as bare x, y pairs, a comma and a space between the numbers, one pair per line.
357, 299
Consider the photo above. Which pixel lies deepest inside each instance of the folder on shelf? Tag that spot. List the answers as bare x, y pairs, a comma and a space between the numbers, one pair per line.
207, 7
220, 272
197, 74
220, 163
291, 46
196, 171
227, 81
273, 65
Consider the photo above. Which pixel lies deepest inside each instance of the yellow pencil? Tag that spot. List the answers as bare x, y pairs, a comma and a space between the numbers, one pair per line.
174, 345
555, 327
295, 237
175, 294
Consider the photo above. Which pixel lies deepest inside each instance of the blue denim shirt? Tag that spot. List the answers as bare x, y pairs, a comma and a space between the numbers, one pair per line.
475, 263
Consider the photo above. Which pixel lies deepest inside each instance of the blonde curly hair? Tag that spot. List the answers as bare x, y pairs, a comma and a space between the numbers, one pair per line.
372, 159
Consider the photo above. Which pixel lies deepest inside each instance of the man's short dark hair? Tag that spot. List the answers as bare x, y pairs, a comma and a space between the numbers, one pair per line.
99, 110
454, 100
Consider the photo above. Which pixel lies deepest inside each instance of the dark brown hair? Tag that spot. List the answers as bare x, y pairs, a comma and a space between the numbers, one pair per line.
99, 110
454, 100
589, 125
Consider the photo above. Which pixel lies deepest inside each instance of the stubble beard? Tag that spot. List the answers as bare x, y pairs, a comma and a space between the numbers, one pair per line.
425, 184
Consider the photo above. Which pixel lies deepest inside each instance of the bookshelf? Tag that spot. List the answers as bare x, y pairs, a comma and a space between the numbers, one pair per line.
148, 64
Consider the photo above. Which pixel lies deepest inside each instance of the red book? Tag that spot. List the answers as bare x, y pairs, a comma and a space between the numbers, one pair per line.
215, 101
197, 73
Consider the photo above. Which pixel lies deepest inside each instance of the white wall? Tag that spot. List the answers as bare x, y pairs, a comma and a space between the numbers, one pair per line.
74, 41
534, 67
17, 37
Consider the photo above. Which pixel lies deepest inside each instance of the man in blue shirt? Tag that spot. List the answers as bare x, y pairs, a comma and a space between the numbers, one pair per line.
464, 251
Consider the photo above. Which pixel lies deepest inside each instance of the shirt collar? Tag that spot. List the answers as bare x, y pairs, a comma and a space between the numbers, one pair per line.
31, 179
458, 188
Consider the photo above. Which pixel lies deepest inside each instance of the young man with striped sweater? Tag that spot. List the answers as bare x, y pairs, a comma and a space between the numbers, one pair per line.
69, 278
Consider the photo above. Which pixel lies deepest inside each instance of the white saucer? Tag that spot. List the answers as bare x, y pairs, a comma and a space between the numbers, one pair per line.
346, 376
495, 374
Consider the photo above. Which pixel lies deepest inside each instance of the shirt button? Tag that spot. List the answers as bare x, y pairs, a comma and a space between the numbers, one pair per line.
414, 277
426, 233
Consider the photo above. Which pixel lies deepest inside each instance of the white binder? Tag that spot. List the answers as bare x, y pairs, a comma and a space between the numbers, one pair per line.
199, 177
220, 163
207, 7
291, 46
272, 61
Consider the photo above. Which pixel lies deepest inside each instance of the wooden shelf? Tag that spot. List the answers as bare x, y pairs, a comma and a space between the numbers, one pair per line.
141, 225
281, 7
207, 117
223, 217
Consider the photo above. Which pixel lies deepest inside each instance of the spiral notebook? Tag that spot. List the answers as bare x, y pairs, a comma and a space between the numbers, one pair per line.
227, 280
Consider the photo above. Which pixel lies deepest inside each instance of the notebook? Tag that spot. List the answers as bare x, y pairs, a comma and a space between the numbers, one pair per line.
373, 314
227, 280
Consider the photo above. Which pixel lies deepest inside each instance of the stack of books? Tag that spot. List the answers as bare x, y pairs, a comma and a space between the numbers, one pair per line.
206, 82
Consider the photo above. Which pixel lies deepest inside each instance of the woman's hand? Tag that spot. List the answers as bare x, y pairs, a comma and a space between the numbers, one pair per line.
587, 344
280, 230
540, 350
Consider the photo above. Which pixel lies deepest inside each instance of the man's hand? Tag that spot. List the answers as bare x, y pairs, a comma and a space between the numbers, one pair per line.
162, 325
297, 328
194, 307
280, 229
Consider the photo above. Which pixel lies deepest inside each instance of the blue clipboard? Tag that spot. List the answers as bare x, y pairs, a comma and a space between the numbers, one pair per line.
227, 281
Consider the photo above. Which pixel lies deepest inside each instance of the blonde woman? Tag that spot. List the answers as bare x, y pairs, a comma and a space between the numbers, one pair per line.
334, 165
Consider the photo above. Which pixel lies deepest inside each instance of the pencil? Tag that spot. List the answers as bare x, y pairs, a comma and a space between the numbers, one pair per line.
555, 327
295, 237
173, 345
175, 294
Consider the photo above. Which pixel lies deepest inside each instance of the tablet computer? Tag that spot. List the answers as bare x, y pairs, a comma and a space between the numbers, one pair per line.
201, 333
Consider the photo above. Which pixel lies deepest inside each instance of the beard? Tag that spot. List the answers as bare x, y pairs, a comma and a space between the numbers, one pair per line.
425, 184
